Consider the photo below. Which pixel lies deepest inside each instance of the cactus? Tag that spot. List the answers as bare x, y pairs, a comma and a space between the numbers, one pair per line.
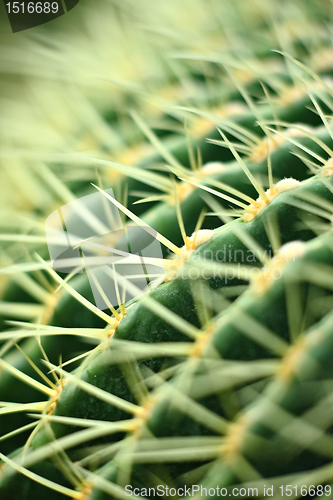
219, 377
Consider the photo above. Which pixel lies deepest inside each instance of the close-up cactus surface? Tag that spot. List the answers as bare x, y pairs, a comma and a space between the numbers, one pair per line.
166, 279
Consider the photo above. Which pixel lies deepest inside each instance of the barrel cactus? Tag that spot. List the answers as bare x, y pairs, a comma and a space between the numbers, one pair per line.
215, 378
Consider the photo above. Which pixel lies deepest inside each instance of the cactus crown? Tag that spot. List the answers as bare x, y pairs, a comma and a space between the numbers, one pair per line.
219, 376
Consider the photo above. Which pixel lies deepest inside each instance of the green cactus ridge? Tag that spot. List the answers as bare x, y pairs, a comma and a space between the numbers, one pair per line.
199, 402
105, 369
218, 249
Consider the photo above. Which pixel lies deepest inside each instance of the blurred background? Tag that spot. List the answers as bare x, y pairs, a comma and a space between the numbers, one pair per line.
70, 85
